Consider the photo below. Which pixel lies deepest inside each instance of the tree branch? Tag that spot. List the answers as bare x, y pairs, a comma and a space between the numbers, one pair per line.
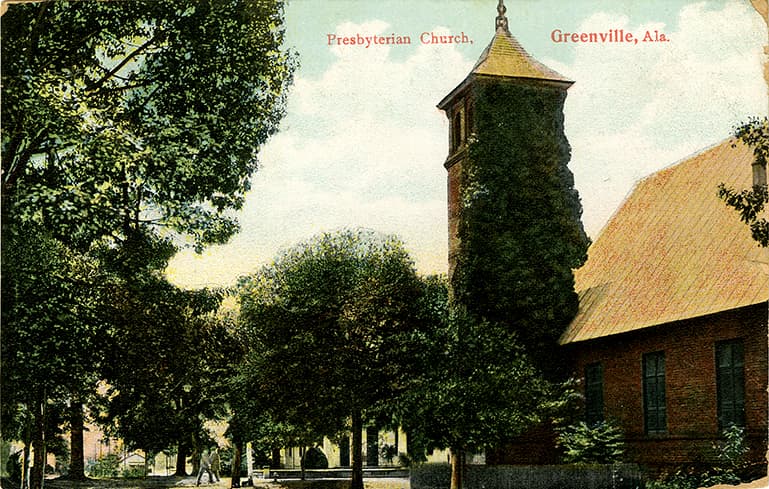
92, 87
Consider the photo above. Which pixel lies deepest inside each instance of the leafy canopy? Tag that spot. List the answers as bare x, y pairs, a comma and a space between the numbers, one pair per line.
123, 115
325, 322
520, 232
477, 388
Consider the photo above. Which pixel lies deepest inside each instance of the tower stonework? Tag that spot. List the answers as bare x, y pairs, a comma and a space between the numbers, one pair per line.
514, 226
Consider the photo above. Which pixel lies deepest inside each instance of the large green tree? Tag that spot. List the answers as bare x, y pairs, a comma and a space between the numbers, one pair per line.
168, 368
124, 121
124, 115
52, 337
473, 386
326, 321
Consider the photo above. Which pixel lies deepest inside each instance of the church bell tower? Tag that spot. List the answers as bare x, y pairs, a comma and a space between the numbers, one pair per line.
514, 216
504, 62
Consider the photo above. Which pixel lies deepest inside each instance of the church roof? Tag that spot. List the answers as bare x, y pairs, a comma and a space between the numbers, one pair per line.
505, 57
673, 251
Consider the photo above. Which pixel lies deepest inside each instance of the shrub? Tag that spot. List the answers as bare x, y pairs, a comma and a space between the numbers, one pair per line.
732, 449
106, 466
133, 472
315, 459
598, 444
388, 453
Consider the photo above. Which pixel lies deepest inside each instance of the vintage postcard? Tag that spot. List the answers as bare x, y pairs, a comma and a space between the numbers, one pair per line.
437, 243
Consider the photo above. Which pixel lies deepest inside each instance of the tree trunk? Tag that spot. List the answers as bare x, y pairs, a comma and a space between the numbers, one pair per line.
24, 484
303, 475
25, 455
237, 458
76, 459
275, 462
147, 456
357, 451
181, 460
457, 468
38, 446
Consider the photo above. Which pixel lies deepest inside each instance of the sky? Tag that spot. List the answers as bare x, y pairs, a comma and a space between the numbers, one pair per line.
363, 144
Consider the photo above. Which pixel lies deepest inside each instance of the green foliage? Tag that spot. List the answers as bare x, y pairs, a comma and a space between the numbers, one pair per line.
133, 472
314, 458
326, 325
731, 451
477, 388
52, 333
519, 229
121, 115
750, 203
169, 365
682, 479
129, 129
106, 466
598, 444
388, 452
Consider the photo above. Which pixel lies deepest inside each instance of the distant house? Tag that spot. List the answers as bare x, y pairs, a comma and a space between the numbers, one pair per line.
671, 335
132, 462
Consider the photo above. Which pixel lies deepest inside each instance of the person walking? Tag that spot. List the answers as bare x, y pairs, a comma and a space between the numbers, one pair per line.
215, 463
205, 466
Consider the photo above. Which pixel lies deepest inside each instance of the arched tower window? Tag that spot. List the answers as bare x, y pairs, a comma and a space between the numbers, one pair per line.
456, 131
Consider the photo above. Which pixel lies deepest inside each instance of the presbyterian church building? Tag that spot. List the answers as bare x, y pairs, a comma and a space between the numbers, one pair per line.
670, 339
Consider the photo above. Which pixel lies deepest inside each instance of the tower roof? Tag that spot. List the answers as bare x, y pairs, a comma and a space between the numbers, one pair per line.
505, 57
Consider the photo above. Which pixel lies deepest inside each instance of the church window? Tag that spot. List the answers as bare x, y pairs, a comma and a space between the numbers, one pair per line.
730, 380
593, 393
456, 131
655, 408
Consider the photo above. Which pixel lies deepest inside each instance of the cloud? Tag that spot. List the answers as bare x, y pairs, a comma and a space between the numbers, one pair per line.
637, 108
363, 143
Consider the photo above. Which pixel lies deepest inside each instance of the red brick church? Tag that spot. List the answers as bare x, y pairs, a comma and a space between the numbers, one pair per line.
671, 335
670, 340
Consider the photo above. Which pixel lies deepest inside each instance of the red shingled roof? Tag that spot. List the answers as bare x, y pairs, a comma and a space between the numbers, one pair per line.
672, 251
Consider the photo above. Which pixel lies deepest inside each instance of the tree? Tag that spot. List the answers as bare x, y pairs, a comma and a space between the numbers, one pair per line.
520, 234
750, 203
326, 321
477, 389
127, 121
120, 116
169, 366
51, 337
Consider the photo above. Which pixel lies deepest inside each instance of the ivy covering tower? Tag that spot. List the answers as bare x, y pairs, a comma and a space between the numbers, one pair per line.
515, 233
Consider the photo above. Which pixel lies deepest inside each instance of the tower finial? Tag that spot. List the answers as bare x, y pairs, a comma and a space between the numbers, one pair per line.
501, 19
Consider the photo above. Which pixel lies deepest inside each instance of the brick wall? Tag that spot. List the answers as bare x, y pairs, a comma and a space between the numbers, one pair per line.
454, 209
690, 379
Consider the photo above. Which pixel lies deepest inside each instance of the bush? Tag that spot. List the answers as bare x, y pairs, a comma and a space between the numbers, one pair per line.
315, 459
599, 444
388, 453
731, 451
690, 480
106, 466
133, 472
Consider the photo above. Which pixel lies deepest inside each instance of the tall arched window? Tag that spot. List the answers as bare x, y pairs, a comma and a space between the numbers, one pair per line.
456, 131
